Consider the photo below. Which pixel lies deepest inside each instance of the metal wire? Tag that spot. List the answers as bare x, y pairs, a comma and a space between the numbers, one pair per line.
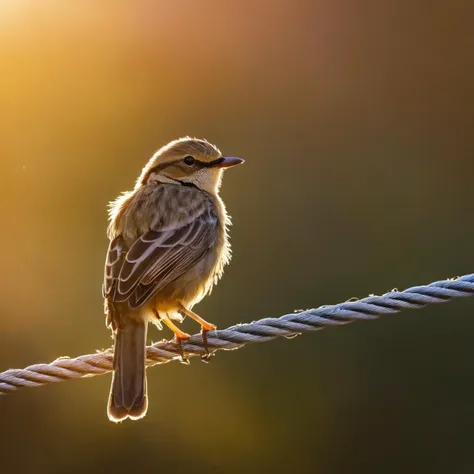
237, 336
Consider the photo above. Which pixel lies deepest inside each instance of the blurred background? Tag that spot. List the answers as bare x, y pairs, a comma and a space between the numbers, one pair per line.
355, 119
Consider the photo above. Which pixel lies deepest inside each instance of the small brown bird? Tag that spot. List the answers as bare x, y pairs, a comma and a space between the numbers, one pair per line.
168, 247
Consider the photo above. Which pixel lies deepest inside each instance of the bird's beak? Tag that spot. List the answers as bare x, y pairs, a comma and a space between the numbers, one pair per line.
228, 161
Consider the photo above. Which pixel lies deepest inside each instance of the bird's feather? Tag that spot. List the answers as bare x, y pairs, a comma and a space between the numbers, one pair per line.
158, 257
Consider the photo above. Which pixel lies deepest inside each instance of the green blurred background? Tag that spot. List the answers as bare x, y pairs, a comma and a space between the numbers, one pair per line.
355, 119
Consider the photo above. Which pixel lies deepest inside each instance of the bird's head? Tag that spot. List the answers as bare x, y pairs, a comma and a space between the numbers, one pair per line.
189, 162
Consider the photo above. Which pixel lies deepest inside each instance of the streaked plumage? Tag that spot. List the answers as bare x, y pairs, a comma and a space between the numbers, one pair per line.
168, 246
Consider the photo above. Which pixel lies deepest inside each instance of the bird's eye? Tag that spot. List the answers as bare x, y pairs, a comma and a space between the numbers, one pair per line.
189, 160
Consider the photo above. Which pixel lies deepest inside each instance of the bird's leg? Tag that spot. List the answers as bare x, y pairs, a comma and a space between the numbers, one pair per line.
178, 334
205, 327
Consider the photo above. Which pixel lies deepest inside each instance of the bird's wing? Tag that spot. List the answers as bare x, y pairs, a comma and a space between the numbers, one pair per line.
113, 263
157, 258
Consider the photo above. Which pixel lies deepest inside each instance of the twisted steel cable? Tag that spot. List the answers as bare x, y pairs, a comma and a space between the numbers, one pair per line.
239, 335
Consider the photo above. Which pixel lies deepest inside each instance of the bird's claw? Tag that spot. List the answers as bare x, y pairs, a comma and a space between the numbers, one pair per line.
183, 359
207, 357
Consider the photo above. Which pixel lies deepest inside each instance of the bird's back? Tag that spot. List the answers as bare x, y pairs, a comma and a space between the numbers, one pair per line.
163, 207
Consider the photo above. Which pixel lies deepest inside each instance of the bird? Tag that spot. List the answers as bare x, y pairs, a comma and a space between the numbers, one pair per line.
168, 247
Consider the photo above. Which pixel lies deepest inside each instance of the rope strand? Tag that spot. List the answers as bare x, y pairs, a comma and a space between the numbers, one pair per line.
239, 335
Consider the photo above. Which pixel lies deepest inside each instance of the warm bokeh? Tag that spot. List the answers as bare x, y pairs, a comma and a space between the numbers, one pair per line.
356, 122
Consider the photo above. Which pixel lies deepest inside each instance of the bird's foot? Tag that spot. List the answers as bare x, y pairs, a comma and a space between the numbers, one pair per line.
205, 327
179, 337
207, 357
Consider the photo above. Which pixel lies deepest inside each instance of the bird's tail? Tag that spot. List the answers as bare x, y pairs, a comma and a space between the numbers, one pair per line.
128, 393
